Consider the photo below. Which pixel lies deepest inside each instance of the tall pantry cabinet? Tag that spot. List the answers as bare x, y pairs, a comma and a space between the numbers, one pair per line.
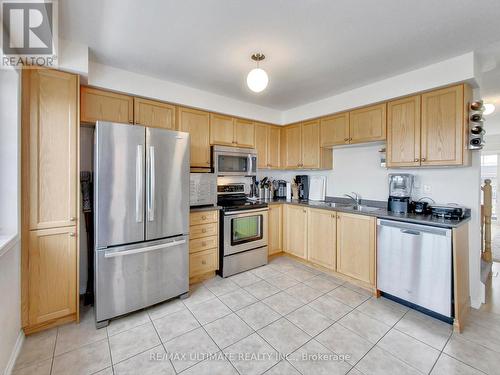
50, 198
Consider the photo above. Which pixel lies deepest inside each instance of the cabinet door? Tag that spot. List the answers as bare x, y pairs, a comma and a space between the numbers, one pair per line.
154, 114
51, 141
321, 238
442, 126
52, 274
403, 132
244, 132
106, 106
275, 235
197, 124
262, 145
368, 124
335, 130
310, 144
274, 147
296, 231
292, 147
221, 130
356, 246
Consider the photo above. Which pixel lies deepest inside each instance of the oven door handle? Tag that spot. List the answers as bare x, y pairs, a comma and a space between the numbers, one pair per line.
233, 213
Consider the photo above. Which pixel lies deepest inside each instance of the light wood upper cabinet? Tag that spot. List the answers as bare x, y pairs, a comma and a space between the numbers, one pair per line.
310, 144
275, 232
154, 114
50, 130
197, 124
335, 130
267, 144
106, 106
296, 231
403, 132
292, 146
356, 246
221, 130
443, 127
321, 239
274, 143
244, 133
52, 274
262, 145
368, 124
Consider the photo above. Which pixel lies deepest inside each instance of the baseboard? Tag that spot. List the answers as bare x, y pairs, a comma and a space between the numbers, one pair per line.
15, 353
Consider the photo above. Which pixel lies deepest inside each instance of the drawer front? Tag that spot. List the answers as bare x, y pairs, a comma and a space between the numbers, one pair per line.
203, 230
203, 217
202, 262
203, 244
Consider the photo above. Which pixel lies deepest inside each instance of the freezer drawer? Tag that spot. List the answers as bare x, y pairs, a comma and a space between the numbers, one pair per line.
414, 263
132, 277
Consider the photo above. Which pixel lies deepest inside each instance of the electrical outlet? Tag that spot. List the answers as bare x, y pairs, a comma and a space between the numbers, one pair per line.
427, 188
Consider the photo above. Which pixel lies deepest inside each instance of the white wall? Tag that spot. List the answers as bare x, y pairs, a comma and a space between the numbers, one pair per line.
457, 69
141, 85
10, 281
358, 169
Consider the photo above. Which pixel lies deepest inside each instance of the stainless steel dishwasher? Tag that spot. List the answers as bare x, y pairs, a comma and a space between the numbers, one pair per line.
414, 264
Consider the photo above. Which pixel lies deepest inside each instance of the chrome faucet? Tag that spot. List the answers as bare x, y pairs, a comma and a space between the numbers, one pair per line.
355, 197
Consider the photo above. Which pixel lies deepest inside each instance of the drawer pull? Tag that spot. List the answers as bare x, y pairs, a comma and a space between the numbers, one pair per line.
72, 234
204, 230
203, 217
203, 262
72, 218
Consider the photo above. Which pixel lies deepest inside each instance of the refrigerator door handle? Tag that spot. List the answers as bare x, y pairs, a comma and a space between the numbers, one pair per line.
151, 195
113, 254
139, 211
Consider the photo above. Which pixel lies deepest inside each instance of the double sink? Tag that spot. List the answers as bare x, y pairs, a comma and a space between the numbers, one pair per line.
347, 206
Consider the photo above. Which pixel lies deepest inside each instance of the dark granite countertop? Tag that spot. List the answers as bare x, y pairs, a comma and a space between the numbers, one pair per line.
380, 213
204, 208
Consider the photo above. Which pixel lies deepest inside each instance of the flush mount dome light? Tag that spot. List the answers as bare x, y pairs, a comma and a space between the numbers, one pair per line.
257, 78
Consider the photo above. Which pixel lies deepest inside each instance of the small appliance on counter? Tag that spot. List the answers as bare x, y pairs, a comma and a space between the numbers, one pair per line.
302, 182
448, 211
202, 189
400, 188
279, 189
422, 207
317, 188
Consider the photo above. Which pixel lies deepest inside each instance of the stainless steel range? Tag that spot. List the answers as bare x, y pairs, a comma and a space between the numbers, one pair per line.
243, 243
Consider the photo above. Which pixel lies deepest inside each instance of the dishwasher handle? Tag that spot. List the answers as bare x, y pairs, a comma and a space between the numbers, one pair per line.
415, 229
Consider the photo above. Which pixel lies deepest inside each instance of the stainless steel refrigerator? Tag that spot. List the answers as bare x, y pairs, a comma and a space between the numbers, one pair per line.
141, 217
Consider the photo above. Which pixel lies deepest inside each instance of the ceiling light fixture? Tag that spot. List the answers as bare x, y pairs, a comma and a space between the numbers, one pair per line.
257, 78
488, 109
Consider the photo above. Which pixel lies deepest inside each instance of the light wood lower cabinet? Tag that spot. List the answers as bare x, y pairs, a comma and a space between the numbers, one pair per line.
275, 230
322, 237
203, 243
197, 124
295, 221
154, 114
52, 274
105, 105
356, 246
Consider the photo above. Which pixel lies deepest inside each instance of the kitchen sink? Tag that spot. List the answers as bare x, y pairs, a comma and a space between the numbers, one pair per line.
339, 205
365, 208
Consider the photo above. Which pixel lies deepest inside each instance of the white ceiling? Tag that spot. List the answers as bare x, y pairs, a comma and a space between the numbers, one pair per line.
314, 48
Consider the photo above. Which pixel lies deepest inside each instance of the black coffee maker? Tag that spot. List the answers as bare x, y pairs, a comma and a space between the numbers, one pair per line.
400, 188
302, 182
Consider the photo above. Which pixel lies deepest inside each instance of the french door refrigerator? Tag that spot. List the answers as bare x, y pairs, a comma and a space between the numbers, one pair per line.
141, 199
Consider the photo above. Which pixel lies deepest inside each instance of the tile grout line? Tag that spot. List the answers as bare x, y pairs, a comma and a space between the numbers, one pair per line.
54, 352
161, 341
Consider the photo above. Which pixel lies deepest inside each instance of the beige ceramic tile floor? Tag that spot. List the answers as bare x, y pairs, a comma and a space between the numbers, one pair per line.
283, 318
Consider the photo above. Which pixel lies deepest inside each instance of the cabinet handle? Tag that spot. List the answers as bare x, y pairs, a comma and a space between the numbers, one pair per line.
131, 121
72, 218
304, 210
203, 218
423, 159
417, 159
333, 216
204, 230
350, 139
346, 139
72, 234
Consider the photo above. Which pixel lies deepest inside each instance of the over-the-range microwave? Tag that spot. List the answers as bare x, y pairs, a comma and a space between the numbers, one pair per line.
234, 161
